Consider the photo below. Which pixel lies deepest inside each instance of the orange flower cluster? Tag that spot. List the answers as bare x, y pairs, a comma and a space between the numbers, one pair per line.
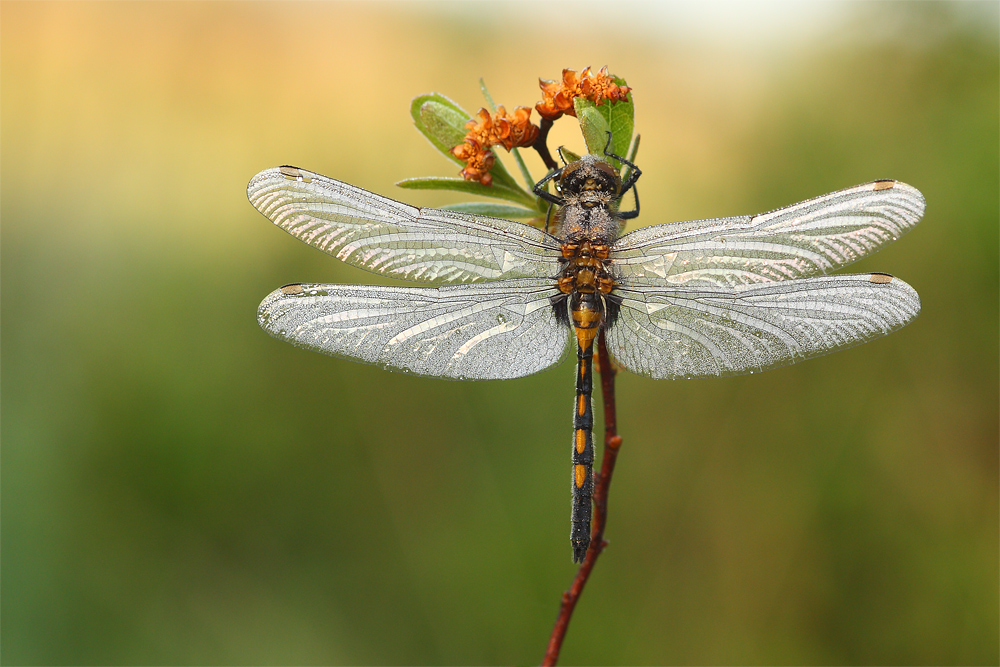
513, 130
558, 96
503, 129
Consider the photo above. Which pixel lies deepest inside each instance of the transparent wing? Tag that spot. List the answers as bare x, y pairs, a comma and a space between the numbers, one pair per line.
398, 240
809, 238
687, 332
493, 331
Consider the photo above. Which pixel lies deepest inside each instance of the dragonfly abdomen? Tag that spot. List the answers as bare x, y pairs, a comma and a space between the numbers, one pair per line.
586, 283
583, 452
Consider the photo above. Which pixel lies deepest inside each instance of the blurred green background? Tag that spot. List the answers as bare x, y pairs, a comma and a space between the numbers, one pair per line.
179, 488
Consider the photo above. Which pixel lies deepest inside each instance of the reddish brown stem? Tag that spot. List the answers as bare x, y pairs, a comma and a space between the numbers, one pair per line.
612, 443
541, 144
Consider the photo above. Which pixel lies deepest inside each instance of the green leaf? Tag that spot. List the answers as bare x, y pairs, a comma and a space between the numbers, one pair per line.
596, 121
441, 121
593, 124
502, 177
570, 156
492, 210
497, 190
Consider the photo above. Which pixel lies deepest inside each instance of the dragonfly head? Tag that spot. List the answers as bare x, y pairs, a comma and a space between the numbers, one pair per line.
589, 179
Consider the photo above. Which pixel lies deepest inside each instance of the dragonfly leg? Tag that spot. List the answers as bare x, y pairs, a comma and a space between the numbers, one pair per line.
540, 190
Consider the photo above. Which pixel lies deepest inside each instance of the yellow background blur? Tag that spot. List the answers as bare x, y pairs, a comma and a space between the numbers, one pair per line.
178, 487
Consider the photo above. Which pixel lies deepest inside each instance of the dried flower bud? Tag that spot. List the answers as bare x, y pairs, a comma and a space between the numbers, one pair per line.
484, 131
519, 130
557, 97
478, 161
602, 87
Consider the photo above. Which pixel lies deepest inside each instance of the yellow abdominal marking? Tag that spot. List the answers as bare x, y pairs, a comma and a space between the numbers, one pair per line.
581, 475
584, 338
581, 440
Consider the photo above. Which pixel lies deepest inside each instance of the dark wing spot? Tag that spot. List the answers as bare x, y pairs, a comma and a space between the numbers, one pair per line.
294, 174
887, 184
880, 278
293, 289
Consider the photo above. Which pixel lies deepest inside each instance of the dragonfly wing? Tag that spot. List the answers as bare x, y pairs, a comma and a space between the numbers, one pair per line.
810, 238
493, 331
686, 332
395, 239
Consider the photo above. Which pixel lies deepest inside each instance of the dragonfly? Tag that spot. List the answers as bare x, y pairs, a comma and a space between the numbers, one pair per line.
704, 298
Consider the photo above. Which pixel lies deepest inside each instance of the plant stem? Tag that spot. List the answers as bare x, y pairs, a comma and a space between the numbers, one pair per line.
612, 443
541, 144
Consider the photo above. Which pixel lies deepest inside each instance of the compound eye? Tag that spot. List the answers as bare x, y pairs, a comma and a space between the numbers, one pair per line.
568, 176
609, 172
567, 171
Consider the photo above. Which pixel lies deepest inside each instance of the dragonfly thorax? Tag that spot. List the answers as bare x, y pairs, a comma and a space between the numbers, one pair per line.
585, 284
586, 268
